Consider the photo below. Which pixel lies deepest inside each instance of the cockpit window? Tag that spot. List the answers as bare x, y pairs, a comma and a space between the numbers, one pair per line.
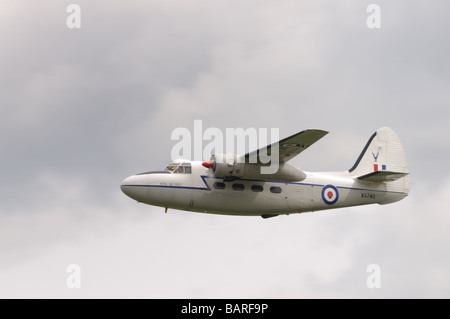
170, 168
179, 168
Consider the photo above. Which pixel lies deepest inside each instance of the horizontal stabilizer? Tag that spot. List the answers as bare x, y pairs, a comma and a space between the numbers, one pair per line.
382, 176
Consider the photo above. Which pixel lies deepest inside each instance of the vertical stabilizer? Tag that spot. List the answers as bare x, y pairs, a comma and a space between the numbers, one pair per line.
383, 160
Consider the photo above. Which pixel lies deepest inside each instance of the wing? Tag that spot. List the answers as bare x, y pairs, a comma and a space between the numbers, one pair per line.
288, 147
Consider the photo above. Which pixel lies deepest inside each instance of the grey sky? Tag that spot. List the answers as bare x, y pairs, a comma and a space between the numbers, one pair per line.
81, 109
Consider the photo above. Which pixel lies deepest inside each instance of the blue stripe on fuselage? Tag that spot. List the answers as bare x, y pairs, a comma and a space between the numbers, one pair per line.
258, 180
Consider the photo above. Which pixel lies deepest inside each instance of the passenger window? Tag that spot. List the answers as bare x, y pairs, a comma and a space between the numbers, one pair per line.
238, 187
275, 189
219, 185
257, 188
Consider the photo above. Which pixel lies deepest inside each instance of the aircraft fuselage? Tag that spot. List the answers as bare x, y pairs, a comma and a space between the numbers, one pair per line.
197, 189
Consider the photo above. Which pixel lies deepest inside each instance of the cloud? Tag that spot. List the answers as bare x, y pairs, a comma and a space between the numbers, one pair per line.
82, 109
142, 252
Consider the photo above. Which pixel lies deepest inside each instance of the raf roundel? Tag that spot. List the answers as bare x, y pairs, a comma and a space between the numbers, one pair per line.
330, 194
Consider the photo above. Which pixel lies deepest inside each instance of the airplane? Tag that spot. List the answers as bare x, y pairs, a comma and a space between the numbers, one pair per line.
230, 184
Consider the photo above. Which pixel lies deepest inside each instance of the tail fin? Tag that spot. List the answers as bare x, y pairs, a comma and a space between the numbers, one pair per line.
383, 160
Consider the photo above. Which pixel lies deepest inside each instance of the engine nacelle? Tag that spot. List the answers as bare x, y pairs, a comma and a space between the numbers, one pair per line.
227, 166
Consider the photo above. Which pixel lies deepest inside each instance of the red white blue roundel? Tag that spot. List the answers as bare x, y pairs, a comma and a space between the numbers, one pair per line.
330, 194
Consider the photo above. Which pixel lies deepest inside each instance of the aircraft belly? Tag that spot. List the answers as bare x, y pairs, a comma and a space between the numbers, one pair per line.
169, 197
239, 203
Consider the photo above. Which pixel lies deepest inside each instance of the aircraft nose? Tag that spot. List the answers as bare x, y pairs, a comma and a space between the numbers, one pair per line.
133, 186
125, 186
